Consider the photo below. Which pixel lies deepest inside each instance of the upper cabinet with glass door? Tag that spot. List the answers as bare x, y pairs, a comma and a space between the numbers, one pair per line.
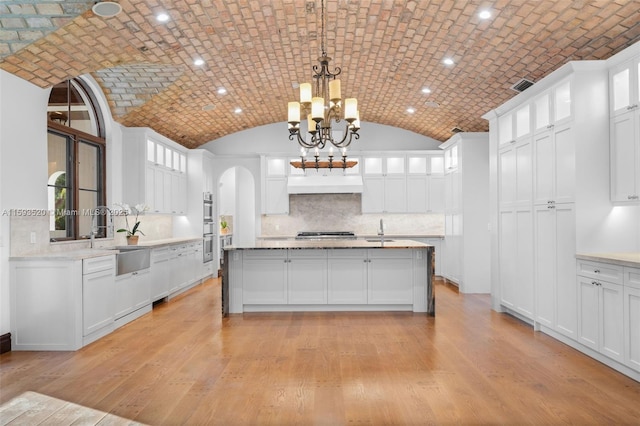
552, 107
514, 125
624, 85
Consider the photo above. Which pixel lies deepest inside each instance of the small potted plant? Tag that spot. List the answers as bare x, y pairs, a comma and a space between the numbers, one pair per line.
132, 237
224, 226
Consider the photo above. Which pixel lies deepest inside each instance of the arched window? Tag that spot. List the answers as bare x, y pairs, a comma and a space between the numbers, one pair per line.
77, 154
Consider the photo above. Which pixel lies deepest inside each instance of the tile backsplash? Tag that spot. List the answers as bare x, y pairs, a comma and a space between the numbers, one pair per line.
342, 212
155, 227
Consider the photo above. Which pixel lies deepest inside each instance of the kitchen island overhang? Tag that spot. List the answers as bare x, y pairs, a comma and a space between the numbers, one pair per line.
328, 275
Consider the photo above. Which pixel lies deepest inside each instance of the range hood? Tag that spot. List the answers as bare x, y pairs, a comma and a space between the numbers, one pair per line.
314, 184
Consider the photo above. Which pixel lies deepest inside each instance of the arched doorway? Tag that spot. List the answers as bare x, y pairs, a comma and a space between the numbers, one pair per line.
236, 204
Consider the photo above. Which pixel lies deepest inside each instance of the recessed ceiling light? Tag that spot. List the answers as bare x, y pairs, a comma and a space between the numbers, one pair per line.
426, 90
411, 110
485, 14
448, 61
238, 110
198, 62
162, 17
106, 9
222, 91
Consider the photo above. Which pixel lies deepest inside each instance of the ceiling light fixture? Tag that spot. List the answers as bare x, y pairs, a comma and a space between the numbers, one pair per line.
198, 62
485, 14
448, 61
106, 9
222, 91
411, 110
426, 90
237, 110
324, 107
162, 17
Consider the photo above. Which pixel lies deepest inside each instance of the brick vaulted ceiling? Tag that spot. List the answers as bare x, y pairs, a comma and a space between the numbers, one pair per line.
257, 49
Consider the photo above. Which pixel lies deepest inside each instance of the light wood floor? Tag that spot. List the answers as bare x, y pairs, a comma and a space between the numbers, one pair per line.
184, 364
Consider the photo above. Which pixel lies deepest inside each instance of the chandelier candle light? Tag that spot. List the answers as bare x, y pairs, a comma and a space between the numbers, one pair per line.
323, 108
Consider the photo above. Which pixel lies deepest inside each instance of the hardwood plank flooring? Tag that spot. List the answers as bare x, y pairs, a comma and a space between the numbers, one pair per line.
184, 364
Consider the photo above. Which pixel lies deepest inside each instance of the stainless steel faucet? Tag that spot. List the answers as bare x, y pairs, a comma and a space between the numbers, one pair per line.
94, 223
381, 231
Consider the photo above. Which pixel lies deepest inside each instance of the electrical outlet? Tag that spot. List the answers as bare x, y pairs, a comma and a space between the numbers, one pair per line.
32, 237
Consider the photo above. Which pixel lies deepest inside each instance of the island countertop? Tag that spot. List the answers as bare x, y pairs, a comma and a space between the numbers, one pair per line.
330, 244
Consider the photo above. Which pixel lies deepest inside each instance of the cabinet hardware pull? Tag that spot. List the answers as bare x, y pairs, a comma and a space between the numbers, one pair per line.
513, 141
550, 126
632, 106
632, 197
551, 207
597, 271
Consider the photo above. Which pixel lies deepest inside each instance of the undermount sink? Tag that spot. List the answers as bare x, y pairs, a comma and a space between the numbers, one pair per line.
378, 240
131, 259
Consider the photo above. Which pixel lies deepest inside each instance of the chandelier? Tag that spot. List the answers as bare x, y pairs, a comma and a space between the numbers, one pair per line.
324, 108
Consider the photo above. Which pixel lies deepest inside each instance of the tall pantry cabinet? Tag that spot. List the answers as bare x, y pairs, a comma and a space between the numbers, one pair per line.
466, 203
550, 180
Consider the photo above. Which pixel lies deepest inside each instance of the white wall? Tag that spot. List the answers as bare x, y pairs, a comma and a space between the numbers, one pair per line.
274, 138
23, 161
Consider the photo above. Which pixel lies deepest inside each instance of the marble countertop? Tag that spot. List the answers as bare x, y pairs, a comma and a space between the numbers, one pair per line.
329, 244
630, 259
360, 236
87, 253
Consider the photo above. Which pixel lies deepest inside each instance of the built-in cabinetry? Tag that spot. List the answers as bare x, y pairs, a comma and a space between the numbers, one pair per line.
133, 296
466, 209
334, 279
98, 297
600, 308
154, 171
624, 101
550, 179
393, 182
65, 303
61, 304
385, 185
609, 313
275, 198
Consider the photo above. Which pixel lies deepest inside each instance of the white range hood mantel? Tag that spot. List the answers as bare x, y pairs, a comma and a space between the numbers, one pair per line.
317, 184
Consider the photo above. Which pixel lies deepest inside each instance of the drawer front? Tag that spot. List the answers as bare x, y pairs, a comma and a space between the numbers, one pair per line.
97, 264
632, 277
395, 253
602, 271
347, 253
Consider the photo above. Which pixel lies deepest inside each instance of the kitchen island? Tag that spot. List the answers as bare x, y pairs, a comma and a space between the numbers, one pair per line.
328, 275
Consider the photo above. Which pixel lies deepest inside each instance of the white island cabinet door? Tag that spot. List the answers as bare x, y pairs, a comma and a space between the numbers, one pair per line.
307, 276
347, 276
264, 280
390, 276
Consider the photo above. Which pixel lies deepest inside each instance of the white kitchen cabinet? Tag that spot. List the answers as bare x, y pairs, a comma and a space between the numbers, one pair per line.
307, 277
601, 316
48, 298
149, 162
98, 297
133, 292
329, 279
625, 157
515, 177
624, 86
632, 327
425, 183
390, 277
466, 242
347, 276
265, 277
384, 185
516, 260
275, 197
159, 273
554, 165
553, 107
555, 267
